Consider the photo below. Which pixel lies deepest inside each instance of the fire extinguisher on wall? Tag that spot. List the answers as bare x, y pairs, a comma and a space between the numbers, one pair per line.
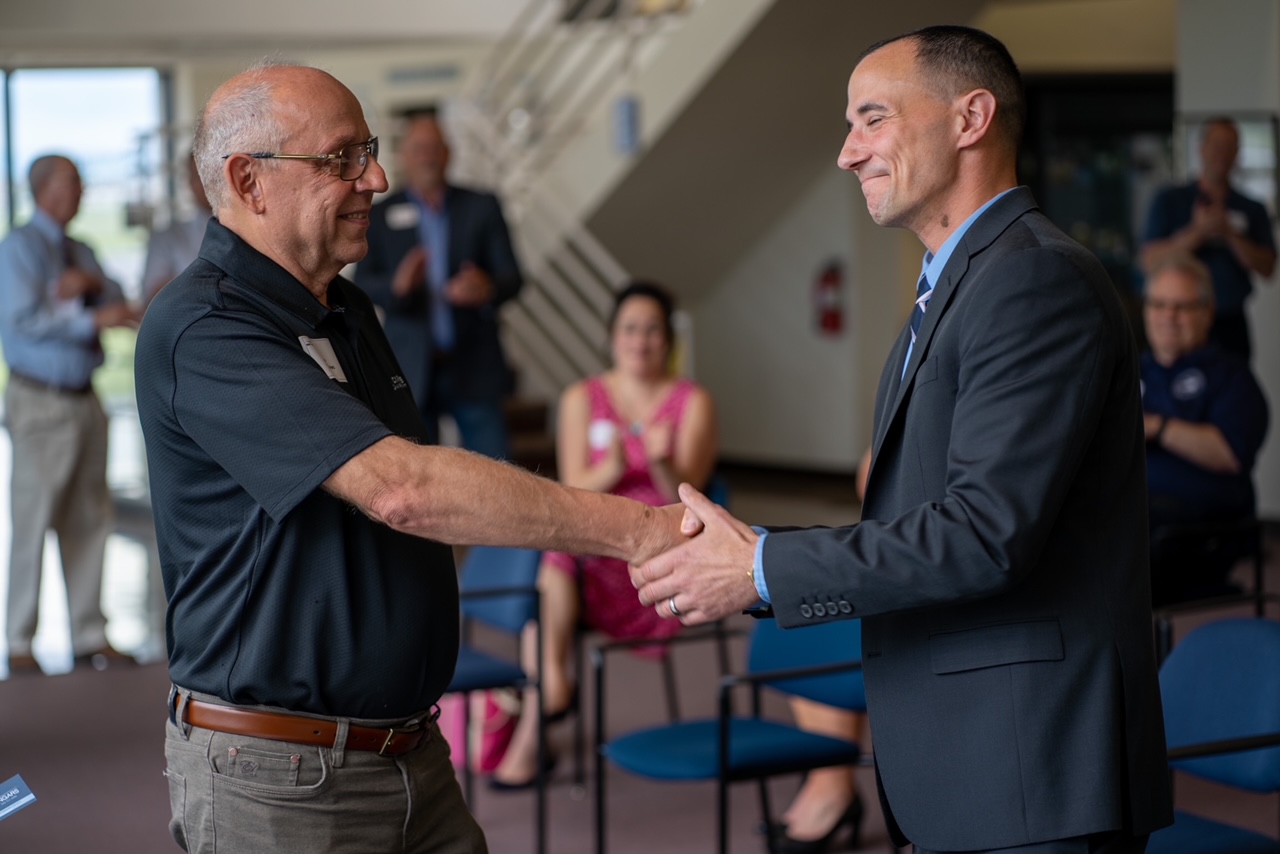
828, 299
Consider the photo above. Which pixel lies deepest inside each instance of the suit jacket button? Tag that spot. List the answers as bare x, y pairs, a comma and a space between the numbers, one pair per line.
845, 607
806, 611
820, 610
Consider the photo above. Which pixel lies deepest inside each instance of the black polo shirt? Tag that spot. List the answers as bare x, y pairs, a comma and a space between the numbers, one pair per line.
251, 393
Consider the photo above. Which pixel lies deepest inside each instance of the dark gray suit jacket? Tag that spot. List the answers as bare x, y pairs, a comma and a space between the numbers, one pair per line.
1000, 566
477, 233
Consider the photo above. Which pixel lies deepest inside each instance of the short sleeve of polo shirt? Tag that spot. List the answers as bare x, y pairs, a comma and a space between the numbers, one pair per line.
1239, 410
1160, 217
1259, 225
264, 410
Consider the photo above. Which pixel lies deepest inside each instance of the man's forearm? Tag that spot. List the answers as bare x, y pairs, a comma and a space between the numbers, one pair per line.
1257, 258
1185, 240
462, 498
1200, 444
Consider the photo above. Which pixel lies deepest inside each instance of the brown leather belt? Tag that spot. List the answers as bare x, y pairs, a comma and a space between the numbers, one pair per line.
388, 741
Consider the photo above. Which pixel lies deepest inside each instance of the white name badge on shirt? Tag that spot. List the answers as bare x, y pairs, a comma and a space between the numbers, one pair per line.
402, 216
600, 434
322, 351
1238, 221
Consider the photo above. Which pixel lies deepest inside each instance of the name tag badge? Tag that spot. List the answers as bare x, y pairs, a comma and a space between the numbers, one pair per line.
14, 795
600, 434
402, 216
1238, 221
322, 351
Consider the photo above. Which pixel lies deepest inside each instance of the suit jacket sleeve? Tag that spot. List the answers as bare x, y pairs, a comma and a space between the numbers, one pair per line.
499, 259
387, 248
983, 453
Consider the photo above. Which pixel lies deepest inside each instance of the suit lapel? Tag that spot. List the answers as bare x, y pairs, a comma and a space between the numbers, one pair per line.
980, 235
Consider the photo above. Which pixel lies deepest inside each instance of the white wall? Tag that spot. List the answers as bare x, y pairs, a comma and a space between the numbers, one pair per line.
784, 393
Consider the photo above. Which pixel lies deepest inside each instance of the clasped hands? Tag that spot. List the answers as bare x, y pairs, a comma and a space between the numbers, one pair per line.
471, 287
708, 574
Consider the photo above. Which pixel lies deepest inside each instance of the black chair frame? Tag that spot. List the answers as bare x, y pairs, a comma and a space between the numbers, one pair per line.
540, 786
726, 775
1257, 597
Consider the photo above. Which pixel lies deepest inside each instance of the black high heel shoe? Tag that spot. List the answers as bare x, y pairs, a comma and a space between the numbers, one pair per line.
570, 707
781, 843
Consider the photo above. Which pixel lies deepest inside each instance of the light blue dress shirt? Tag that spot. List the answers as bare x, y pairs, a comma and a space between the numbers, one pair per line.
433, 233
46, 338
932, 268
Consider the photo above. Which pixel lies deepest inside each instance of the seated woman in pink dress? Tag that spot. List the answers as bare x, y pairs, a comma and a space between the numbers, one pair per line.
634, 430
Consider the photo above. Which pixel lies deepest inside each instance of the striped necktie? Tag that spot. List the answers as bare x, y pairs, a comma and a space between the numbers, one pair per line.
923, 291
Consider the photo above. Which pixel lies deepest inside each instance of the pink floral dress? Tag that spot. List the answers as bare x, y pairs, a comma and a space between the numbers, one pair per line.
609, 602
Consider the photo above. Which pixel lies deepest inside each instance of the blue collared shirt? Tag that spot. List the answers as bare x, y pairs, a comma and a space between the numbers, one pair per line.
46, 338
931, 268
433, 233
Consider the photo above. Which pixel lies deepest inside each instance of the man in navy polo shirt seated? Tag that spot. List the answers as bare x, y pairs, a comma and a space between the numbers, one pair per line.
302, 519
1205, 418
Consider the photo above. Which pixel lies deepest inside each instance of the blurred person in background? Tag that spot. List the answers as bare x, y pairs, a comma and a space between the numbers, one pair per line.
171, 249
55, 300
1204, 418
1228, 231
440, 266
636, 430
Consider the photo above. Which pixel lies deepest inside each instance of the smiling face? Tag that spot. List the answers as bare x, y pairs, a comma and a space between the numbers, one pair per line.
901, 140
638, 340
314, 222
1177, 315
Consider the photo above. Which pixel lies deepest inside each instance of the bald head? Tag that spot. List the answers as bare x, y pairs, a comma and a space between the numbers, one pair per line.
298, 210
253, 111
55, 186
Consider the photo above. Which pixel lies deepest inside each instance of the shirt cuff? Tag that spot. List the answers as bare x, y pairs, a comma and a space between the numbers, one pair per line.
757, 566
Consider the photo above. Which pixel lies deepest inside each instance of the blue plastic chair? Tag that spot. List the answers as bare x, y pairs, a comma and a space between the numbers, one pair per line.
820, 663
717, 489
499, 589
1221, 693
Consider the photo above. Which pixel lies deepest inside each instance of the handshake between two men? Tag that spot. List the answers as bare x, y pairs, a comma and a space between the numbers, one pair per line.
707, 577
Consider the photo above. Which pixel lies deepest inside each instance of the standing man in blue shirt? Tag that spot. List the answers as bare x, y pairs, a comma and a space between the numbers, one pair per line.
54, 302
1229, 232
440, 265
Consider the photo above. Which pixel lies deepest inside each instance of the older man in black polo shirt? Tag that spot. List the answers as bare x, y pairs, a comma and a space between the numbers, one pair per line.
308, 642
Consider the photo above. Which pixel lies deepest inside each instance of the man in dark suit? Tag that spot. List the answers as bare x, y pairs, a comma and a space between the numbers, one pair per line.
440, 264
1000, 566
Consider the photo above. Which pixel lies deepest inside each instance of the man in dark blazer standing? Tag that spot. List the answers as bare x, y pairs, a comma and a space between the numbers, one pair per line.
440, 265
1000, 566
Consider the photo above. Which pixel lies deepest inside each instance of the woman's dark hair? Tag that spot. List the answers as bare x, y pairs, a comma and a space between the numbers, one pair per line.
652, 291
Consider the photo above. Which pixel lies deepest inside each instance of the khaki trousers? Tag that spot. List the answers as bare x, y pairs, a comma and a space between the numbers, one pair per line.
60, 485
233, 794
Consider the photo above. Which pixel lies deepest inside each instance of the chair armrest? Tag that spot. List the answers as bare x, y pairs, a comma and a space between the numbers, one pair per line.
491, 592
764, 677
1227, 745
1228, 601
1243, 525
694, 636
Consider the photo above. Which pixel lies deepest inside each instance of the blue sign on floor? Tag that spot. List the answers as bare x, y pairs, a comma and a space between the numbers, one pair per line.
14, 795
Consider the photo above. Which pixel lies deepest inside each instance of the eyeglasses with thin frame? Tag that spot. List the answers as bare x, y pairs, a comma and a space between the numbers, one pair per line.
352, 159
1175, 306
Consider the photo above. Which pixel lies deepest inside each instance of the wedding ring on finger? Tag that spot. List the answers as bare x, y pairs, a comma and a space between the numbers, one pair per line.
671, 603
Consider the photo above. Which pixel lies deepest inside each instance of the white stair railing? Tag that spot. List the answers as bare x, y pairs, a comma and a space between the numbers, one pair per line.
542, 82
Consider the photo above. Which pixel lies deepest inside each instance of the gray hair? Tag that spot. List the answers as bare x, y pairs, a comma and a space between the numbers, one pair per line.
42, 169
1191, 267
240, 119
